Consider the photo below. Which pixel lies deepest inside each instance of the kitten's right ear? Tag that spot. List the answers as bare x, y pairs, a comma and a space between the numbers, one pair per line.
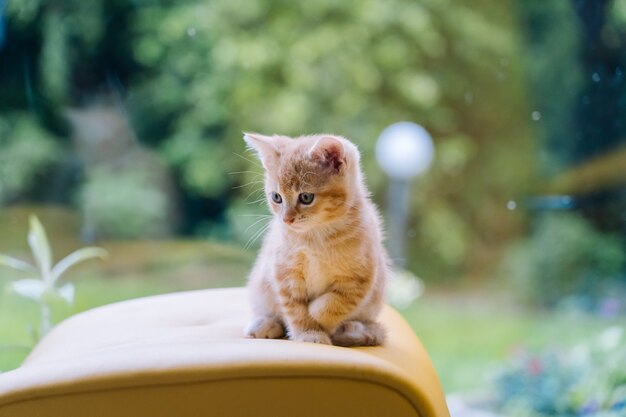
330, 152
266, 147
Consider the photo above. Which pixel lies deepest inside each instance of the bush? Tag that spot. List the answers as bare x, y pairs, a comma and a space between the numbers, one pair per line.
565, 256
122, 205
25, 151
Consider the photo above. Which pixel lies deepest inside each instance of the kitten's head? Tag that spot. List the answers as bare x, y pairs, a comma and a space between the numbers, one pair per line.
310, 181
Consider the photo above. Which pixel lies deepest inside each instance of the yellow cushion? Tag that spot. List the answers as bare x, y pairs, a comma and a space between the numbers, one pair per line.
184, 355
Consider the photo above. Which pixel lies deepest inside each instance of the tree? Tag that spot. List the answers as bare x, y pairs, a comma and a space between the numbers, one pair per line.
195, 74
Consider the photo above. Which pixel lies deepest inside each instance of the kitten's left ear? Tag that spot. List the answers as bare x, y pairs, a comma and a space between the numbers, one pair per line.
267, 147
330, 152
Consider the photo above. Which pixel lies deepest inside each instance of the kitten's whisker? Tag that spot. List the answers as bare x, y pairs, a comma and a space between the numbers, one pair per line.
247, 184
258, 190
254, 196
256, 235
254, 215
257, 201
249, 160
246, 172
255, 223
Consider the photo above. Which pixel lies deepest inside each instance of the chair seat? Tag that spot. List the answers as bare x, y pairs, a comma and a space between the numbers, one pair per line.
184, 354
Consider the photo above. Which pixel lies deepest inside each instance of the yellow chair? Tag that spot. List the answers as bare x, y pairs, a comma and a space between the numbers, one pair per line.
183, 355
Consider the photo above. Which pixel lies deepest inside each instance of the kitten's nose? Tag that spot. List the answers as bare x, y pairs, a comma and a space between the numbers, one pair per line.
289, 219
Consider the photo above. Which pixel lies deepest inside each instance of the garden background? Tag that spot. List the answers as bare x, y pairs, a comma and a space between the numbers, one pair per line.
121, 125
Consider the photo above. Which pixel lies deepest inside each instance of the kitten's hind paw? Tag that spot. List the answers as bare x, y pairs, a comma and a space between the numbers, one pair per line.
265, 327
312, 336
358, 333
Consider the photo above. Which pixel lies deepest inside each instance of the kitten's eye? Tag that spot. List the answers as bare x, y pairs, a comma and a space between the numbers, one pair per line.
276, 198
306, 198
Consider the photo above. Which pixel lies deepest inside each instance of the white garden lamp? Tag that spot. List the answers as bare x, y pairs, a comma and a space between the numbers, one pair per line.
404, 150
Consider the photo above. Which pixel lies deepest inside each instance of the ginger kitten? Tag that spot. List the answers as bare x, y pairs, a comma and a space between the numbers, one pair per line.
320, 274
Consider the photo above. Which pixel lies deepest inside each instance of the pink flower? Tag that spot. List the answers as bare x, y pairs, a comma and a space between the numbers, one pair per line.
534, 366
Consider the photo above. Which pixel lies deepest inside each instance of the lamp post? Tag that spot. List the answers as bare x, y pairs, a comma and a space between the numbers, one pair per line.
404, 150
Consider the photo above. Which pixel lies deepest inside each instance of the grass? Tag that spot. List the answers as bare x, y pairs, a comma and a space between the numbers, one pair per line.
133, 269
177, 266
469, 336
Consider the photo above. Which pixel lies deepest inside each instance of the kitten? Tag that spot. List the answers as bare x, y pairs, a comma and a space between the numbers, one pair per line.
320, 274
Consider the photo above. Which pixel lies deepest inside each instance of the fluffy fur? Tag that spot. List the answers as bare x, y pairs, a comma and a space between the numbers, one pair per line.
320, 274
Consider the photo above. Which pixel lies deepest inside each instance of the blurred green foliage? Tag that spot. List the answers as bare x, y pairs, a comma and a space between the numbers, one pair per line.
26, 149
197, 73
552, 65
564, 257
192, 75
122, 205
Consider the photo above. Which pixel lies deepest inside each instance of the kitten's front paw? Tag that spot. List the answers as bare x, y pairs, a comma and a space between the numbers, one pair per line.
312, 336
264, 327
318, 310
358, 333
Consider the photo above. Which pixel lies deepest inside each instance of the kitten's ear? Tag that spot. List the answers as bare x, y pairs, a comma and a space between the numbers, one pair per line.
266, 147
329, 151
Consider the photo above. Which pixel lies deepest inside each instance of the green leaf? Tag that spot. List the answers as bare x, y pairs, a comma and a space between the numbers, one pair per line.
66, 292
29, 288
74, 258
17, 264
38, 242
